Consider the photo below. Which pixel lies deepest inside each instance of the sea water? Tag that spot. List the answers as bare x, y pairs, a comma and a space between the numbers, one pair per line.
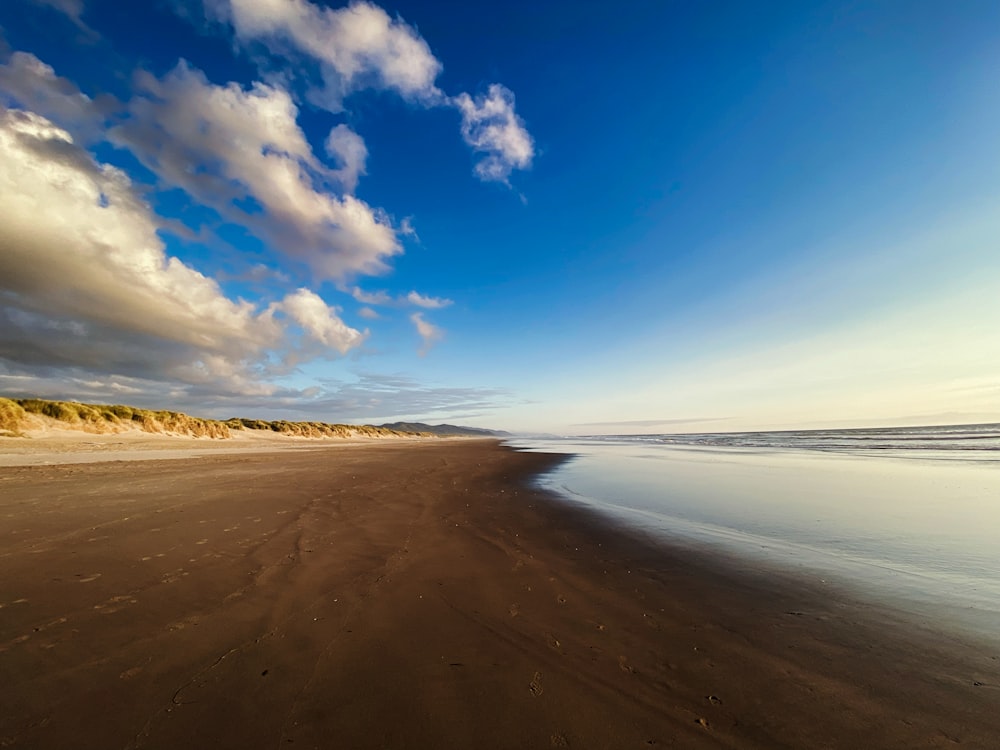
910, 516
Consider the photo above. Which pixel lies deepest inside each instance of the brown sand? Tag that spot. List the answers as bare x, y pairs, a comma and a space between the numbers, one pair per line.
72, 446
421, 596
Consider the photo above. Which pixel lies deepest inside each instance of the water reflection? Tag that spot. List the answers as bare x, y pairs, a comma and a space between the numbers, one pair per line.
923, 532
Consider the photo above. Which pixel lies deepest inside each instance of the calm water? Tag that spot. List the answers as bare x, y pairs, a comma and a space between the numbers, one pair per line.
909, 515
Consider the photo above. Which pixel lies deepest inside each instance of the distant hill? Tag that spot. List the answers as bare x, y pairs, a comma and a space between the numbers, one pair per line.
443, 430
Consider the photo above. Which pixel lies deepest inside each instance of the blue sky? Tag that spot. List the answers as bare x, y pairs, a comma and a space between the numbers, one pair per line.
568, 217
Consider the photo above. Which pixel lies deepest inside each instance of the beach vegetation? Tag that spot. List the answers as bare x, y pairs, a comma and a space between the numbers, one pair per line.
12, 418
119, 418
101, 418
314, 429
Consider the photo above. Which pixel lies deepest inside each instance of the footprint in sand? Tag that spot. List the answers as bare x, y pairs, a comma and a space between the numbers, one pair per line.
114, 604
624, 665
46, 626
514, 610
173, 575
535, 686
88, 579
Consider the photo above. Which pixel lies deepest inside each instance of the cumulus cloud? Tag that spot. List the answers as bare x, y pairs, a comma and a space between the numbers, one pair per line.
429, 333
85, 281
492, 127
90, 297
319, 320
77, 240
361, 46
357, 47
29, 83
224, 144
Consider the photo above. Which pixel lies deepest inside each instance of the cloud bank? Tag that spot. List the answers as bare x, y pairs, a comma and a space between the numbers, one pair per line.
94, 293
85, 280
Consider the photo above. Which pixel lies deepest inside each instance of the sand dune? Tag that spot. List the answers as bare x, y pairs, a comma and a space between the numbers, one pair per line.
32, 417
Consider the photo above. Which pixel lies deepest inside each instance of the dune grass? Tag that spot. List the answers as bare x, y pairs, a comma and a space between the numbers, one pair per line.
118, 418
317, 429
100, 418
12, 417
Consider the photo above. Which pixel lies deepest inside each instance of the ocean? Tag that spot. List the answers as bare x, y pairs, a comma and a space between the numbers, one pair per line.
907, 516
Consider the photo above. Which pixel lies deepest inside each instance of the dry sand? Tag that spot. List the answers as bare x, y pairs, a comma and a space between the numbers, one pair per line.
53, 445
421, 595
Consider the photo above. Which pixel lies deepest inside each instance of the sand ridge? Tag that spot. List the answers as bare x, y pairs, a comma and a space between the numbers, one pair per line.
423, 595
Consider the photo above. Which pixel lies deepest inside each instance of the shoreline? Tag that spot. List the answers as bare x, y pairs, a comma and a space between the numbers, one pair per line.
403, 594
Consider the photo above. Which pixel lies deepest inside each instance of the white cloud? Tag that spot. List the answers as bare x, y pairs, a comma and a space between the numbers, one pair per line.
406, 228
320, 321
73, 9
85, 282
359, 46
349, 149
29, 83
430, 303
225, 143
76, 240
429, 333
368, 314
371, 298
491, 126
414, 299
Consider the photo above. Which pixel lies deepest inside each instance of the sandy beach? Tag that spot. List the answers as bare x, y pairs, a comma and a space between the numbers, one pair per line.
422, 595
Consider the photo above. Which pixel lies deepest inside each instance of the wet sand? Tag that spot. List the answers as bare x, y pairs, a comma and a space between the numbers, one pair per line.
421, 595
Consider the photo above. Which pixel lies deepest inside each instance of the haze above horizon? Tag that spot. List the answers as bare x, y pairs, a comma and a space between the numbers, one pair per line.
558, 217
